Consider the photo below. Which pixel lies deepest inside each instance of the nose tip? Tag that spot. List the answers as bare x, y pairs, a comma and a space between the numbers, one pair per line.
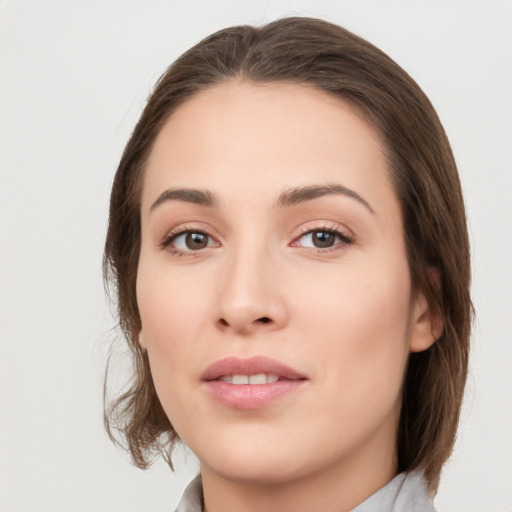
244, 321
263, 320
250, 297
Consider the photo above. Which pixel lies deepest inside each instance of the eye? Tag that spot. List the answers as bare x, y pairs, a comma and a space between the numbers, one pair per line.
323, 239
187, 241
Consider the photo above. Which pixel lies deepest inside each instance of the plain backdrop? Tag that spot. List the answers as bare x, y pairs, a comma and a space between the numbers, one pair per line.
74, 78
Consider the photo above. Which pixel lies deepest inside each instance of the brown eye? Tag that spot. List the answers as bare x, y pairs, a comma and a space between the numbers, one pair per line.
319, 239
322, 239
195, 241
187, 241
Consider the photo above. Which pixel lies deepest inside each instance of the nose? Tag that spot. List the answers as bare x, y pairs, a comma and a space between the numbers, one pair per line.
251, 295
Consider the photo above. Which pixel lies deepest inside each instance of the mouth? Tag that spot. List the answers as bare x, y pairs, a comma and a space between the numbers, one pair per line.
254, 370
258, 379
251, 383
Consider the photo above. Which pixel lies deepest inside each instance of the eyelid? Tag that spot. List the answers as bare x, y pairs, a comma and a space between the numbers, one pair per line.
184, 229
345, 235
324, 225
185, 234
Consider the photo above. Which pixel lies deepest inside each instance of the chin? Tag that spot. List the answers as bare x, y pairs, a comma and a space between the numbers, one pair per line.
246, 455
259, 470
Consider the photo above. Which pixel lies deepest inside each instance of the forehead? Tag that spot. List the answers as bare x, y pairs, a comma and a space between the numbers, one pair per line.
261, 137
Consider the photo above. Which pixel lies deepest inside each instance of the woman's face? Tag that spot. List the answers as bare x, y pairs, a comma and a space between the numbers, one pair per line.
273, 284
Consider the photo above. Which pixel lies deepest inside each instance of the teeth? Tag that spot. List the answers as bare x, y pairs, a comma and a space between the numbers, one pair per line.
240, 379
260, 378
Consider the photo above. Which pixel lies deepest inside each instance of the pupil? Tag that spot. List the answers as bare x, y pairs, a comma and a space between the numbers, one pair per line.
196, 241
323, 239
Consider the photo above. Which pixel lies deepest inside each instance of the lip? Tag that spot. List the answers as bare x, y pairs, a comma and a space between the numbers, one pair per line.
250, 396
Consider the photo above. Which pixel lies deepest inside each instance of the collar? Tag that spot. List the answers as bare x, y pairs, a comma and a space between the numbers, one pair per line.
406, 492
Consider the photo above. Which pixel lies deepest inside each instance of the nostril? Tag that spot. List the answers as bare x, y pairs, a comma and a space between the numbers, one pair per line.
262, 320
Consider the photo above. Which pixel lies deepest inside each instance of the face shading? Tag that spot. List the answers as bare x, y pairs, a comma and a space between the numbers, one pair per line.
273, 284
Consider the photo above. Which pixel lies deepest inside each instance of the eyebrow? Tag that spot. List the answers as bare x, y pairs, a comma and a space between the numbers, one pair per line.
298, 195
189, 195
290, 197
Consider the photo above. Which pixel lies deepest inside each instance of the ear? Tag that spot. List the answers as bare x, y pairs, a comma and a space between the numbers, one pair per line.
427, 323
141, 340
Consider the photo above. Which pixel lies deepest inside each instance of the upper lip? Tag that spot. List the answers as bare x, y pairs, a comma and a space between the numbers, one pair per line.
249, 366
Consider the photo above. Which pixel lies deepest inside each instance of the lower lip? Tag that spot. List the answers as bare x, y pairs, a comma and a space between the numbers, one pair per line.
251, 396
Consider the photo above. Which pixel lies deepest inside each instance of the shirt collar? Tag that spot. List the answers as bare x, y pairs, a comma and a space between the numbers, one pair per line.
406, 492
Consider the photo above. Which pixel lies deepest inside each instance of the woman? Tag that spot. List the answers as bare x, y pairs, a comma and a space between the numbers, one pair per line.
288, 243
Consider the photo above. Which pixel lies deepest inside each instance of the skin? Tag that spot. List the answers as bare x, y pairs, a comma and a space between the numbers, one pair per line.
345, 316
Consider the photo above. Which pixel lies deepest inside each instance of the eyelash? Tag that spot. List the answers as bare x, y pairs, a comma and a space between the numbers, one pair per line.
173, 235
345, 240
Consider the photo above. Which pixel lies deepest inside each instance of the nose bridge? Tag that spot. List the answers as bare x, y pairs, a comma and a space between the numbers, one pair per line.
249, 294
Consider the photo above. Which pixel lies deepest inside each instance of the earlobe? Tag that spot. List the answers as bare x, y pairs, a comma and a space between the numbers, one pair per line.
141, 340
427, 326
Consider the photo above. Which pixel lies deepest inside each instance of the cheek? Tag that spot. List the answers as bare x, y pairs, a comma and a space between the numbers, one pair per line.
173, 311
362, 319
361, 348
167, 321
356, 298
172, 304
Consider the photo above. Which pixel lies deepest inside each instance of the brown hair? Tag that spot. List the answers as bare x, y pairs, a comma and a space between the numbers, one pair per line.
424, 175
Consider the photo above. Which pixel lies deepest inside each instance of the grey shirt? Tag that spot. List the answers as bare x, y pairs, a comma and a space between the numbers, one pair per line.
407, 492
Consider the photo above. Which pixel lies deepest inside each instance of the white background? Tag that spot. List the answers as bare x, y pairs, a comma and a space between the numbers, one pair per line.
74, 77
